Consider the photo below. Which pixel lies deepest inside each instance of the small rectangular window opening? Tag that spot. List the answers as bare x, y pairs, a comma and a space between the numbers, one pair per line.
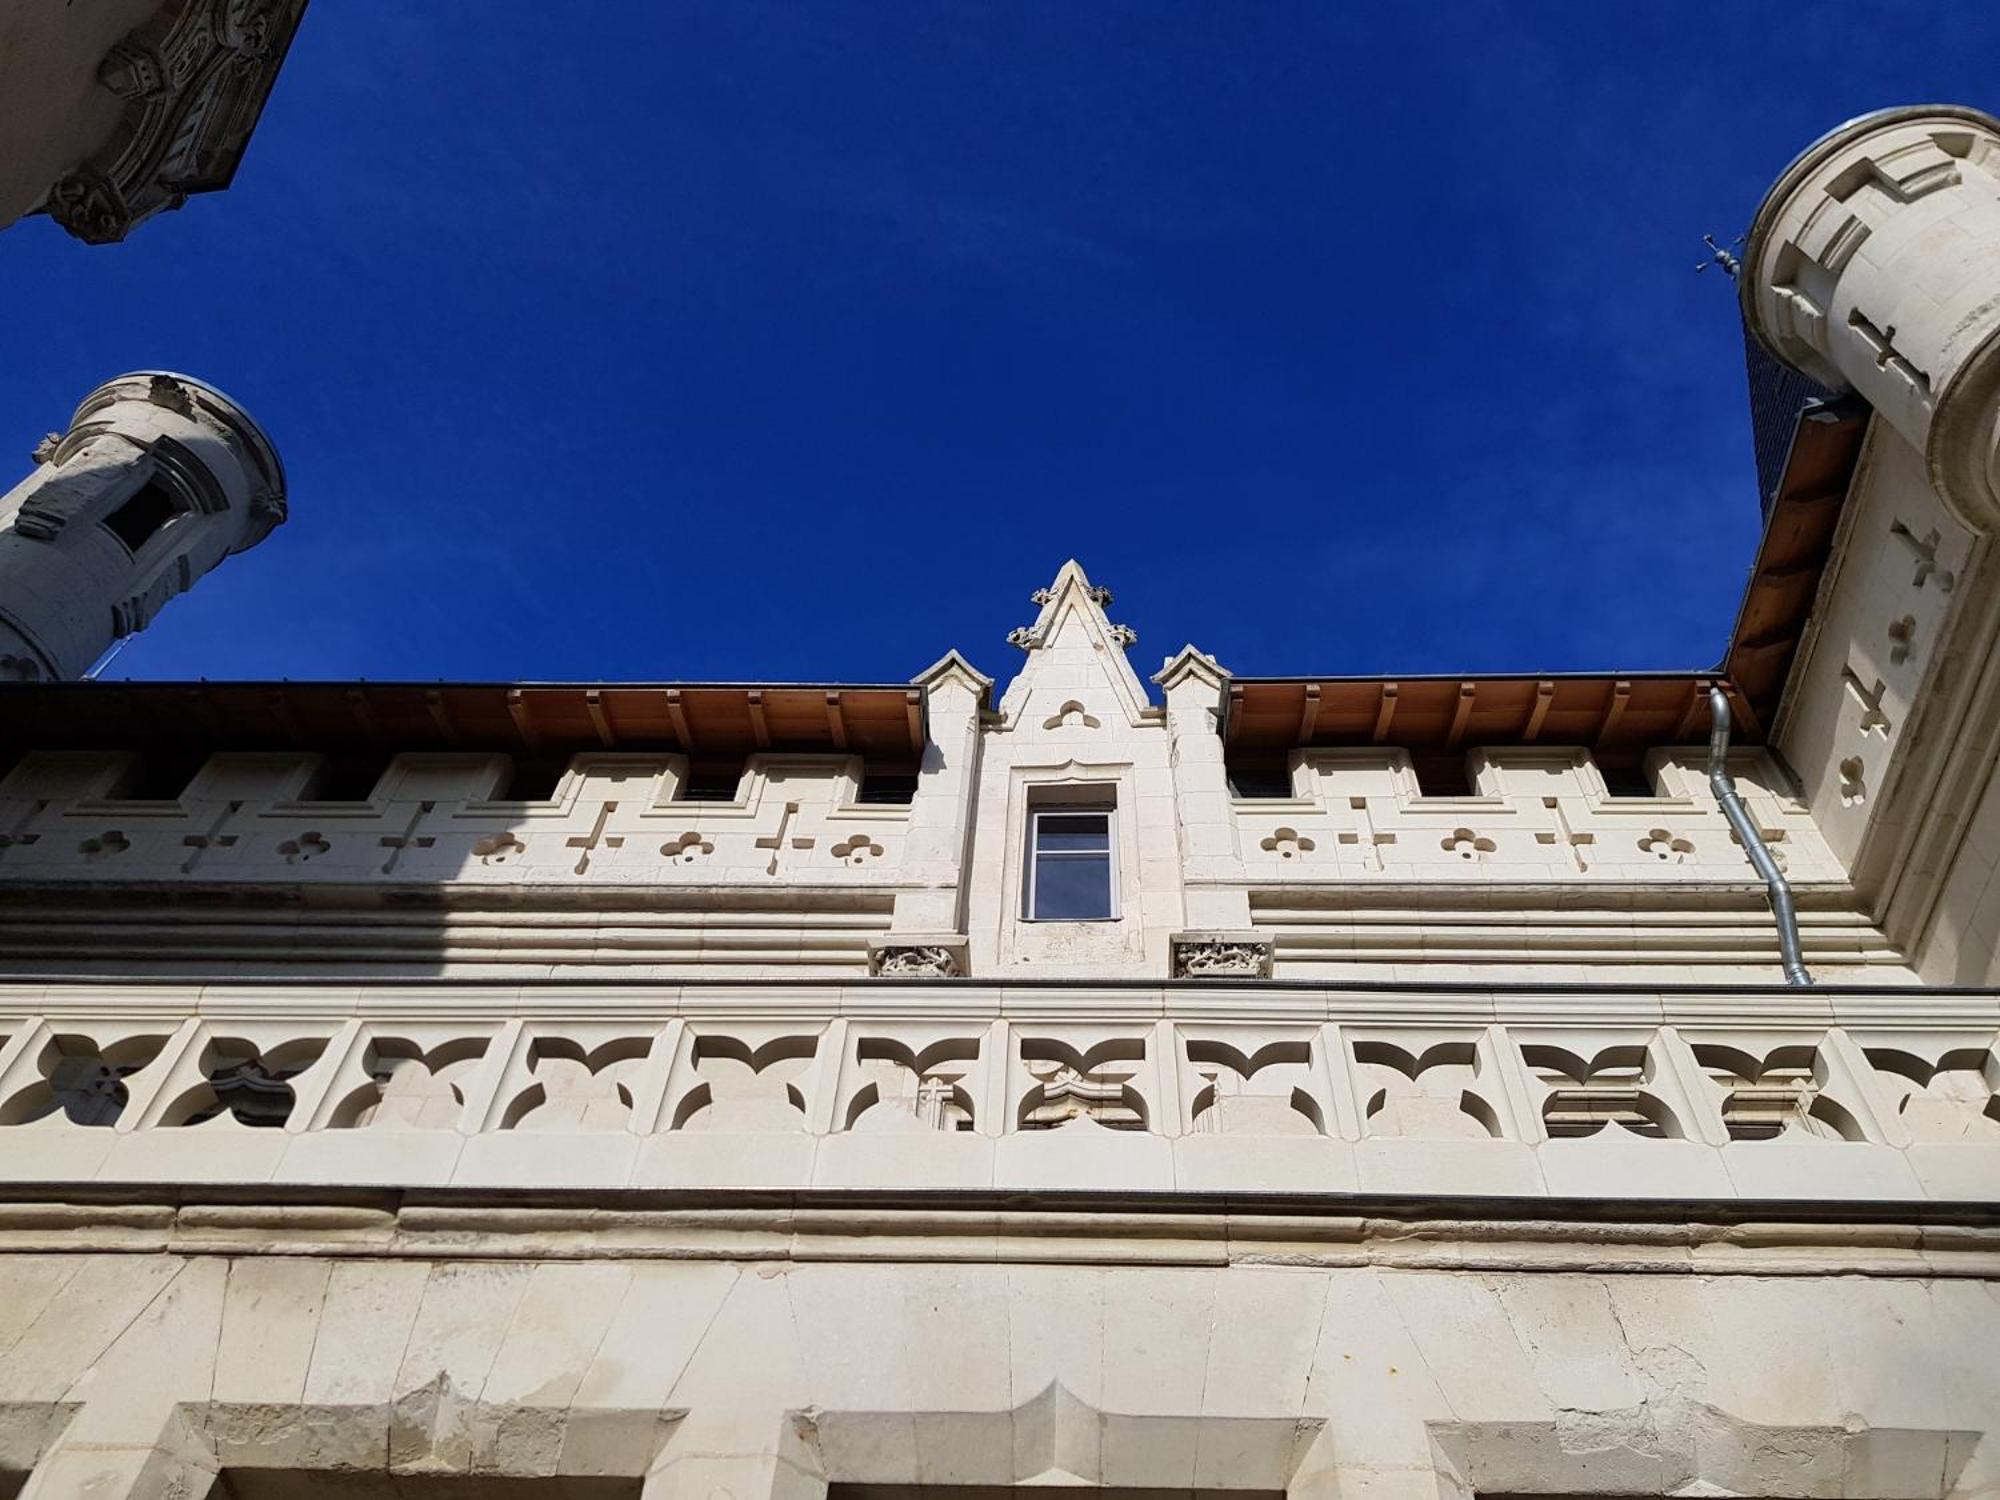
1626, 781
1069, 865
534, 778
347, 778
708, 783
1441, 775
140, 518
881, 789
1248, 782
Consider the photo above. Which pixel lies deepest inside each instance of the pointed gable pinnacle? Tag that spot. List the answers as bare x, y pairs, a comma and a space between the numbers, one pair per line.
1072, 589
1071, 630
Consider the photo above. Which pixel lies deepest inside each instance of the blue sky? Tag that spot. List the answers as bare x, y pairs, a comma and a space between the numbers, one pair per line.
801, 341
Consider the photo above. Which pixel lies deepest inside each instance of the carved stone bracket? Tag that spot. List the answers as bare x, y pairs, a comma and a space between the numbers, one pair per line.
918, 957
1220, 955
193, 80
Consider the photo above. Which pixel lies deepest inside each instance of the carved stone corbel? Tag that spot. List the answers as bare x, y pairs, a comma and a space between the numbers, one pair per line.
918, 956
1220, 955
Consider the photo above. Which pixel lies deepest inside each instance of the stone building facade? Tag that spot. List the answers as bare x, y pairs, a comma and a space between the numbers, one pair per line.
1317, 1085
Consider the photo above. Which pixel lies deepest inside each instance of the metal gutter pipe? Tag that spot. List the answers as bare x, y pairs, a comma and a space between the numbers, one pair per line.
1775, 886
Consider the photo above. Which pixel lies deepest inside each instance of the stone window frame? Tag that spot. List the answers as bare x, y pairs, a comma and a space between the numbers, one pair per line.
1045, 802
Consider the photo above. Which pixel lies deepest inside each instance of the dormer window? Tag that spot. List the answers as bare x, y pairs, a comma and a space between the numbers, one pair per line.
1070, 865
140, 518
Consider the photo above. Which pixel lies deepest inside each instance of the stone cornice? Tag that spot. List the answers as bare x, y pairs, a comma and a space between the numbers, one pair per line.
1551, 1236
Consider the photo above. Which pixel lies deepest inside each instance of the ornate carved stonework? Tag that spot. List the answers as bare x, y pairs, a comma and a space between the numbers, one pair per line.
916, 961
194, 80
1212, 955
1024, 636
1124, 636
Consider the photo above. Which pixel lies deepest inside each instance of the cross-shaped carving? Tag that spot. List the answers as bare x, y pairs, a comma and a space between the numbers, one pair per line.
215, 838
776, 842
1563, 834
931, 1094
589, 841
1369, 840
396, 844
18, 836
1873, 720
1924, 548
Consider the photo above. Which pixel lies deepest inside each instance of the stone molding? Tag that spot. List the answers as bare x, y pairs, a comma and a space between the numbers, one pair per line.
1753, 1239
193, 81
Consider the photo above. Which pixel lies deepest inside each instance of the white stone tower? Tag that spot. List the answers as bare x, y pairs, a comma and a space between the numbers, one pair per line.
1871, 266
158, 479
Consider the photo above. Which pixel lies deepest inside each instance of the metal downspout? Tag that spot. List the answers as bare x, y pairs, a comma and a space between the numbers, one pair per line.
1724, 787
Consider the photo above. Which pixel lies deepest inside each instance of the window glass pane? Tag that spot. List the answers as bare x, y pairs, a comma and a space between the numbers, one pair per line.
1073, 888
1077, 832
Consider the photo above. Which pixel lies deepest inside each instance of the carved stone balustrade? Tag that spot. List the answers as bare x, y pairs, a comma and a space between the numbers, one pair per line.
1692, 1096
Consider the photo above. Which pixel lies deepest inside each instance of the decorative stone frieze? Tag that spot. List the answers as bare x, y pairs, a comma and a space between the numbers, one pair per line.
193, 81
444, 819
1221, 955
898, 957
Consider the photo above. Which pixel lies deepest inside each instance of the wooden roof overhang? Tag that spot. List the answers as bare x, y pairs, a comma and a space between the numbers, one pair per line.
883, 723
1619, 715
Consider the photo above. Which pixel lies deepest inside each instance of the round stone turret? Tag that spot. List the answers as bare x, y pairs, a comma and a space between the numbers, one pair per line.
158, 479
1874, 266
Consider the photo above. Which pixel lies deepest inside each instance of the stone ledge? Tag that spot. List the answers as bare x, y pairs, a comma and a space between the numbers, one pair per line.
1761, 1239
